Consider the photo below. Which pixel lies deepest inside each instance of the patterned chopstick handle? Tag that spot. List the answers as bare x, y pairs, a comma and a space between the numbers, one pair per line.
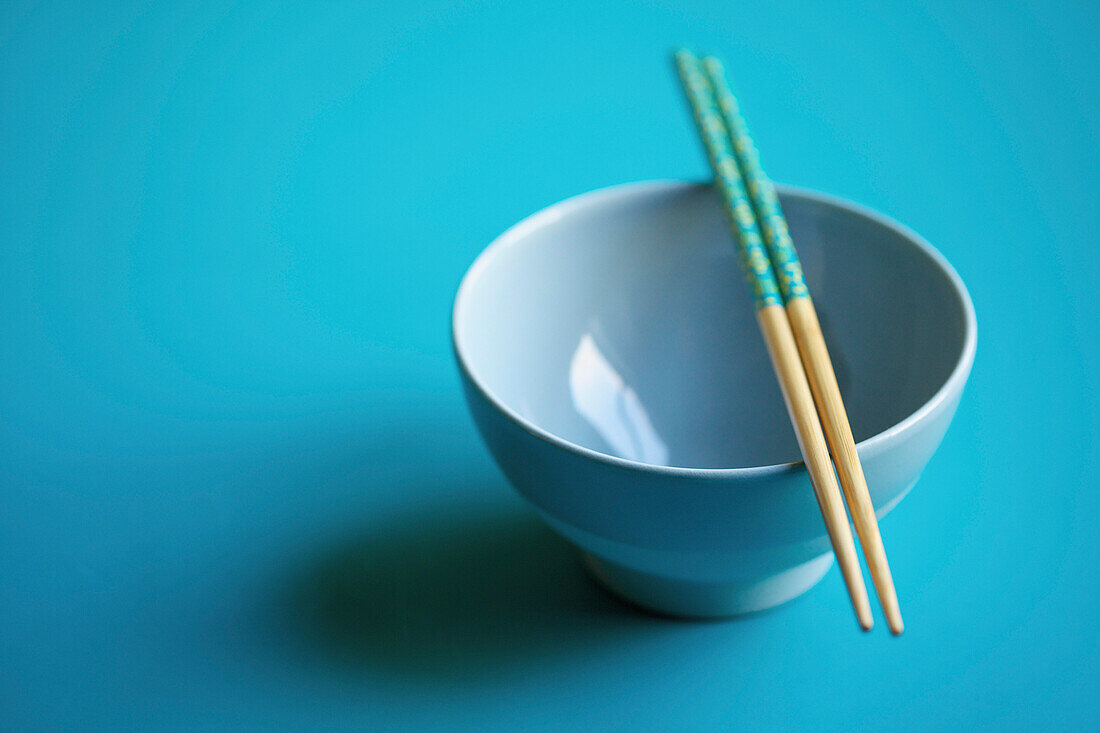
738, 209
761, 191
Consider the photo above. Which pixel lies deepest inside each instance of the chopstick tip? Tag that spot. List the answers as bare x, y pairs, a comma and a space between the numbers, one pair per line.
682, 53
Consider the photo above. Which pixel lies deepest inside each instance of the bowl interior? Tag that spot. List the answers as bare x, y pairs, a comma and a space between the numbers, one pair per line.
620, 322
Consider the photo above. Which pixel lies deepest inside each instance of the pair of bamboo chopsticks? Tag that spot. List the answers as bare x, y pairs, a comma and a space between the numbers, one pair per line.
791, 330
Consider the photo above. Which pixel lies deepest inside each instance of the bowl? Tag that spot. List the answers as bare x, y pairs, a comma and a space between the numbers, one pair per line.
612, 363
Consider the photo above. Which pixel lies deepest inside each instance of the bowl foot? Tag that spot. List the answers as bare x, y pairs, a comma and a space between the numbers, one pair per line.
694, 599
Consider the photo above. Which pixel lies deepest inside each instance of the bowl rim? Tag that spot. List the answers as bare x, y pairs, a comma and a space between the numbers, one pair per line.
955, 381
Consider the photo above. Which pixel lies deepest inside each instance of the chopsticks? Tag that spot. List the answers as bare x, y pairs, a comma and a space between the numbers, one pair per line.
811, 344
776, 328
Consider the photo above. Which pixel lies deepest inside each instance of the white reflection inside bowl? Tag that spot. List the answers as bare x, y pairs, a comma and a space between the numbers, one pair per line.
611, 407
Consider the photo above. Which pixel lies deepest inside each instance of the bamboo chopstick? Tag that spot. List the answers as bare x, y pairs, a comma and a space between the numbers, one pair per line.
776, 329
811, 344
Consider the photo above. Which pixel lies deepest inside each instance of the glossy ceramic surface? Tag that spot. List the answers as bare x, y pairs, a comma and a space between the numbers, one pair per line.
613, 365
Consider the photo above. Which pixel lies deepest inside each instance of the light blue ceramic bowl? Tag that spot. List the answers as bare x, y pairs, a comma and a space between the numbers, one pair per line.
612, 362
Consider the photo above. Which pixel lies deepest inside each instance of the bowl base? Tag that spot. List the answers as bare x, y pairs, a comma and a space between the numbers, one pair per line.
694, 599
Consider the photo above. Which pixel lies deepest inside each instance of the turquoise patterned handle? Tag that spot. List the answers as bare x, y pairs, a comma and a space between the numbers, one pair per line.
761, 191
708, 118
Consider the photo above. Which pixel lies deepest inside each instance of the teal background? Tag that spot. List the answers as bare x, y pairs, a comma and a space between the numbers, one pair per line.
238, 486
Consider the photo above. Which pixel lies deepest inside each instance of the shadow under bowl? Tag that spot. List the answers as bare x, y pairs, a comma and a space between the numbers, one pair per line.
613, 365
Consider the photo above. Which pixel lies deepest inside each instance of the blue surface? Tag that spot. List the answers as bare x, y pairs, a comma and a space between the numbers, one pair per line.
239, 486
